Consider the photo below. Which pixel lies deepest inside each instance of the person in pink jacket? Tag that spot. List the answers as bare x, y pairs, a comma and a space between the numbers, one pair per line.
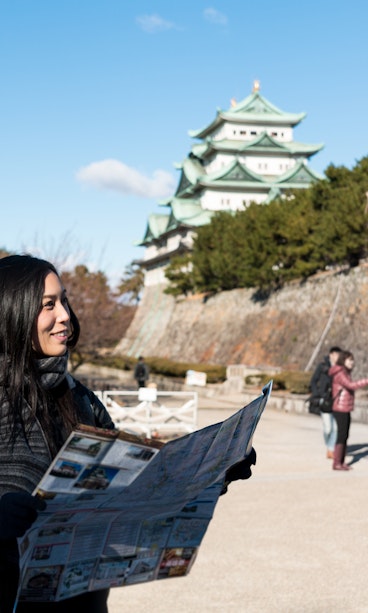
343, 388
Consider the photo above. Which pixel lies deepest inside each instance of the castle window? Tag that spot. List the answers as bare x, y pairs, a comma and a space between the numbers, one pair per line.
253, 132
273, 133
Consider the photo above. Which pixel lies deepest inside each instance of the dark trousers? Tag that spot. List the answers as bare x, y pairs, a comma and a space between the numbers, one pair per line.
343, 426
9, 574
91, 602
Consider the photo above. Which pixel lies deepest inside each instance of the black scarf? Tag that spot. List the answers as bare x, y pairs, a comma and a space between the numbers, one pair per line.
52, 370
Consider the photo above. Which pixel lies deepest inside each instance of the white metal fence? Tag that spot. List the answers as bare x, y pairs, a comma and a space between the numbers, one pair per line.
151, 412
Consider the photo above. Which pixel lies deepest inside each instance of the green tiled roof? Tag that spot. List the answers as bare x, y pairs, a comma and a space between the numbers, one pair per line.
254, 109
191, 171
236, 176
187, 212
182, 212
156, 226
235, 172
263, 143
275, 192
256, 104
300, 175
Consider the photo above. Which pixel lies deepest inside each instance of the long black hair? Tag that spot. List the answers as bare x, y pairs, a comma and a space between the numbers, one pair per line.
22, 283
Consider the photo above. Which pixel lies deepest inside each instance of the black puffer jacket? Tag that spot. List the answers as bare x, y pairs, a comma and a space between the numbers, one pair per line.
23, 464
21, 468
91, 411
321, 384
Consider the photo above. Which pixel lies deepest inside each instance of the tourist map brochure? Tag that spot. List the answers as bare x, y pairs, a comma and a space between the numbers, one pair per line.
123, 510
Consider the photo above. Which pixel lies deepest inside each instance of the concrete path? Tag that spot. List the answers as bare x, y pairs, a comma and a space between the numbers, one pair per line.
292, 539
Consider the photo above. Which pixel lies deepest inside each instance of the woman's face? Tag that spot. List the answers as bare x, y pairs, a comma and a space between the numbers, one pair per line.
349, 363
52, 327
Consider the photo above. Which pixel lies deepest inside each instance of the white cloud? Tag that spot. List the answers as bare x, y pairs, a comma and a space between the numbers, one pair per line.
154, 23
214, 16
116, 176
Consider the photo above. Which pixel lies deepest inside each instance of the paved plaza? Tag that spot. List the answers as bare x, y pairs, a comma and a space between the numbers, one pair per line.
292, 539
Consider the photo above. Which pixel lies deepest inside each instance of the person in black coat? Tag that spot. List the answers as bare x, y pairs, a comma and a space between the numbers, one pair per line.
141, 372
321, 398
40, 404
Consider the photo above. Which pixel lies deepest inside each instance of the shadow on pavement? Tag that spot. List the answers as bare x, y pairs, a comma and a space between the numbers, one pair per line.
357, 452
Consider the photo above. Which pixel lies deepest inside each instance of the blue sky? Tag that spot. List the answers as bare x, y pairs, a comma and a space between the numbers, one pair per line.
98, 96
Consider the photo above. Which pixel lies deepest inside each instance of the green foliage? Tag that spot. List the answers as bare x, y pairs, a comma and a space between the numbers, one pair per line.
295, 382
164, 367
167, 368
132, 283
265, 246
178, 272
113, 361
292, 381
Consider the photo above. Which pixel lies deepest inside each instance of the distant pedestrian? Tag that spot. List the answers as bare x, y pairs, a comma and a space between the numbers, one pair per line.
141, 372
320, 401
343, 388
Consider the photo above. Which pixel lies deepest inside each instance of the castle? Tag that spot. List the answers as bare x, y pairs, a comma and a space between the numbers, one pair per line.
246, 154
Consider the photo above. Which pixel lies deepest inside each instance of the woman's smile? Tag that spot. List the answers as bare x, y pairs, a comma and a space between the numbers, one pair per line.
52, 328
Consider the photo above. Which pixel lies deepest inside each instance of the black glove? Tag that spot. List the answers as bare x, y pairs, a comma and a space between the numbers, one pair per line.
18, 511
240, 470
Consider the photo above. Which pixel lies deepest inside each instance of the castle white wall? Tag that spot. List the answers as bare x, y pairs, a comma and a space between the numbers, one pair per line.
236, 131
155, 276
155, 273
230, 201
260, 164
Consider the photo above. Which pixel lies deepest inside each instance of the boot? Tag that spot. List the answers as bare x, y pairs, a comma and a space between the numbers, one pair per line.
343, 465
338, 457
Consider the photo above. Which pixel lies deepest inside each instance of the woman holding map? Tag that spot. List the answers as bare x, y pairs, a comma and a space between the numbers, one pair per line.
40, 403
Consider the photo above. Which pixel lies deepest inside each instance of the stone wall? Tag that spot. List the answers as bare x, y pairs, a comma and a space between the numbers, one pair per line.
292, 329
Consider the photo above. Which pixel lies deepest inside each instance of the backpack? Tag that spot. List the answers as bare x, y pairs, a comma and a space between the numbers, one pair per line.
140, 372
321, 386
